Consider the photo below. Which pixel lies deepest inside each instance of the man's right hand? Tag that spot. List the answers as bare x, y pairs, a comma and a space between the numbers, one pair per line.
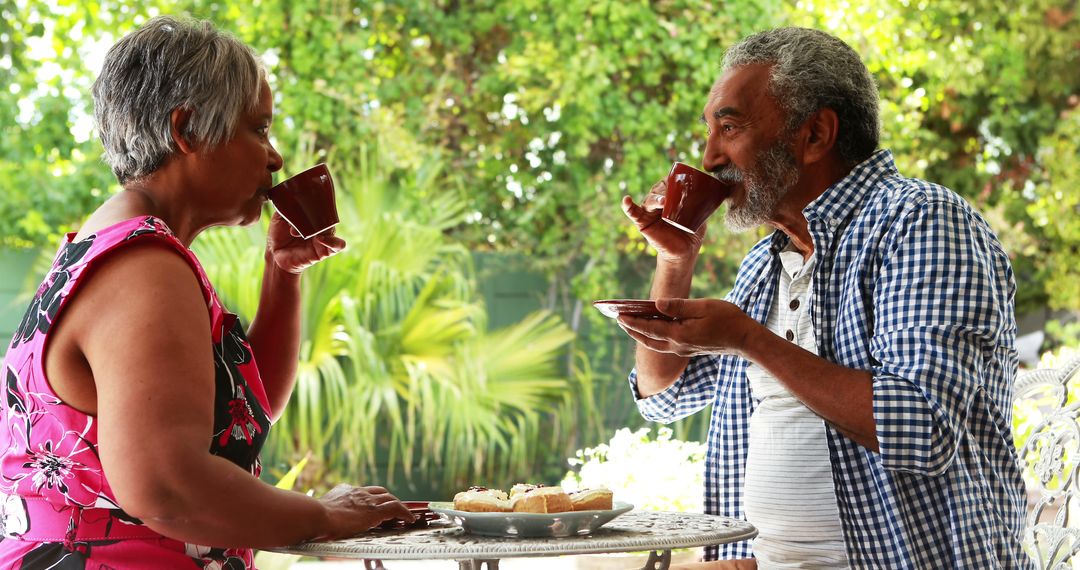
354, 510
671, 244
676, 255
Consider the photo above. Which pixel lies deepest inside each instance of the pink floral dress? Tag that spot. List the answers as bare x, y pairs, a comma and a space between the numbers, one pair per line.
56, 507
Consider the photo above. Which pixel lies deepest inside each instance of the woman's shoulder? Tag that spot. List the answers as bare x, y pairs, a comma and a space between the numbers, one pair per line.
93, 246
125, 211
121, 229
134, 273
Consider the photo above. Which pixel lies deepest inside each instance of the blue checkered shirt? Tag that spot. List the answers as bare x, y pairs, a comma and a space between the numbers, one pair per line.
912, 285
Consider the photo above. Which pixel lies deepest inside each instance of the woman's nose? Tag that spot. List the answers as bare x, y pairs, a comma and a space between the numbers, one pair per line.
275, 162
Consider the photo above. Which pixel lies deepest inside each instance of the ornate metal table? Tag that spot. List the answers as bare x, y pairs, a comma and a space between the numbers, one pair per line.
636, 531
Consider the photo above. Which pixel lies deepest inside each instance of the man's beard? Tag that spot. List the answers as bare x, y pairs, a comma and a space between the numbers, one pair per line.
766, 183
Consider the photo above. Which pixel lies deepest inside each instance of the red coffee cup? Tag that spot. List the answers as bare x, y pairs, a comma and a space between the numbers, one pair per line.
691, 197
306, 201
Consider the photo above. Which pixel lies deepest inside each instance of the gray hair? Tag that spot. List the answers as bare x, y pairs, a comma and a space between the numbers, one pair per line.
168, 64
813, 70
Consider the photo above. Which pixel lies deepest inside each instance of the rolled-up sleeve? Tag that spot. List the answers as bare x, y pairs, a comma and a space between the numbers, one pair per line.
941, 299
694, 390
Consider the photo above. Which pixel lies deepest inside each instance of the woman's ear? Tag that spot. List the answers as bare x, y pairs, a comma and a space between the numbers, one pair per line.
820, 135
178, 122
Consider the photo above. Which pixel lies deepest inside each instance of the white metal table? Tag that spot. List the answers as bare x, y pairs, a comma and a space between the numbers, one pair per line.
637, 531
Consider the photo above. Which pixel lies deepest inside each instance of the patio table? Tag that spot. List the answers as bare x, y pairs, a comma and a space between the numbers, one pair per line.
657, 532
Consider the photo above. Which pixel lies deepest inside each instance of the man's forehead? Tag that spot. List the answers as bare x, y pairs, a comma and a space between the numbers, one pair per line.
739, 88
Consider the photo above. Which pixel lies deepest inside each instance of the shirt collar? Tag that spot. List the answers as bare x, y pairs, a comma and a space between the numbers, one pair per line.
839, 200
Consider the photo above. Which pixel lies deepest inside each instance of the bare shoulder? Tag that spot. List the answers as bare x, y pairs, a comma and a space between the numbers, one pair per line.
140, 317
140, 289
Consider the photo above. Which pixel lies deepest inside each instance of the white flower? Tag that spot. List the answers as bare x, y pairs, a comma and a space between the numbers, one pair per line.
13, 515
196, 550
663, 474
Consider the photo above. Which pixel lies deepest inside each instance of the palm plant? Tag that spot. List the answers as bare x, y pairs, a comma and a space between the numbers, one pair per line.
398, 370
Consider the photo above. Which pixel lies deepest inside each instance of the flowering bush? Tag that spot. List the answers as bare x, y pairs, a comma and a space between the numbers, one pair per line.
661, 474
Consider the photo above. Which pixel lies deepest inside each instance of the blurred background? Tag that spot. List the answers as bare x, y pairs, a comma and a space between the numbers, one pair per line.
480, 151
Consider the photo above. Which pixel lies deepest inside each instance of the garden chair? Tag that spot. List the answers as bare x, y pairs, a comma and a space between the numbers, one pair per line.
1052, 454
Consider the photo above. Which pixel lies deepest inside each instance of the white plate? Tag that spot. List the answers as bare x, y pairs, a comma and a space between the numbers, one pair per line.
530, 525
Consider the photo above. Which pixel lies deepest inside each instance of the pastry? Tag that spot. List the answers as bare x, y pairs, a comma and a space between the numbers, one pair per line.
482, 500
598, 499
542, 500
521, 488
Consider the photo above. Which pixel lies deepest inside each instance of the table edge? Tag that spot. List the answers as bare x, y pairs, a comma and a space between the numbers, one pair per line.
330, 549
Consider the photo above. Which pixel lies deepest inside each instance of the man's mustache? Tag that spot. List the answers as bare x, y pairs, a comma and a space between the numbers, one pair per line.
729, 174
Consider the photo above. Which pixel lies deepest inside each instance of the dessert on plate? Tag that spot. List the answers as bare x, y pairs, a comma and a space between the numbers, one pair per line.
598, 499
482, 500
530, 498
541, 500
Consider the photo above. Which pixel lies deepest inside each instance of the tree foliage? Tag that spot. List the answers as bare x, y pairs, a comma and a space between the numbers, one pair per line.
547, 112
970, 91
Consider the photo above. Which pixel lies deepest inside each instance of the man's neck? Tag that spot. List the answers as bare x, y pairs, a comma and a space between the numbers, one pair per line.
814, 180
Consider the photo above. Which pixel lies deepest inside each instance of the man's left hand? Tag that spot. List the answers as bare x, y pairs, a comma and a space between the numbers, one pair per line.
292, 253
702, 326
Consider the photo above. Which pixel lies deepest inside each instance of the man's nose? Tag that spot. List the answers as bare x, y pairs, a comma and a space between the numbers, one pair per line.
714, 158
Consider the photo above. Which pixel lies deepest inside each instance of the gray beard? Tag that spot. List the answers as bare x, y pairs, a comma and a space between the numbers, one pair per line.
766, 183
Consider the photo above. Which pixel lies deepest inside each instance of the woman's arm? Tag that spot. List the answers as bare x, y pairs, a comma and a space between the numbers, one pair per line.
274, 335
151, 358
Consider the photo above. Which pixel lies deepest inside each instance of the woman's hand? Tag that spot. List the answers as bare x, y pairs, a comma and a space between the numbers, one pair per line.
671, 243
292, 253
354, 510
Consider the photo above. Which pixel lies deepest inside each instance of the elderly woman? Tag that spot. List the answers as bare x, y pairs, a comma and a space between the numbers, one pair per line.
134, 407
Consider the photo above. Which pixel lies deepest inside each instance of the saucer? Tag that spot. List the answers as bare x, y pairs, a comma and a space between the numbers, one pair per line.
644, 308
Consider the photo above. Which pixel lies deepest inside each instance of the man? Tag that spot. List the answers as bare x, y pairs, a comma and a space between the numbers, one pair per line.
860, 370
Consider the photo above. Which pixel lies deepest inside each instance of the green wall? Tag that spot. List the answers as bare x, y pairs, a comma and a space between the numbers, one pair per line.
15, 266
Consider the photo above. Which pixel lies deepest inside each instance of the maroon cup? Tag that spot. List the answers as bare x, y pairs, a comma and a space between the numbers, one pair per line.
306, 201
691, 197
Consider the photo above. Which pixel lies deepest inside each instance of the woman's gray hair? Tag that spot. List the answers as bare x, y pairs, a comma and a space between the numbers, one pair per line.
171, 63
813, 70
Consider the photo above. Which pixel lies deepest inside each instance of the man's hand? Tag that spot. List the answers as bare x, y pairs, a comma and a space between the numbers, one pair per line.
292, 253
702, 326
671, 243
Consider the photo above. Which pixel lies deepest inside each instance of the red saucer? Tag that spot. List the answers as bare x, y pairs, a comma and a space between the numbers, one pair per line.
644, 308
419, 509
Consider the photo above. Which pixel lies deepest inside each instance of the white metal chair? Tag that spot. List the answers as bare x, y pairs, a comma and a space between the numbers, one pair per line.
1052, 452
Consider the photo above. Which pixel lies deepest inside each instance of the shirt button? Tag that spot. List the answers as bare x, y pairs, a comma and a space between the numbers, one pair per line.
794, 304
790, 334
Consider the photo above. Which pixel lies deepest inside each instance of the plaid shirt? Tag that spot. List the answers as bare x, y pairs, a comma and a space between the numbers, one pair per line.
912, 285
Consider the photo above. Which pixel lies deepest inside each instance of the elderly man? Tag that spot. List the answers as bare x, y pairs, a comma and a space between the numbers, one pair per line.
860, 370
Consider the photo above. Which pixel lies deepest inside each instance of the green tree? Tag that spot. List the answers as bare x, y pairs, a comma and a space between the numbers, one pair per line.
49, 163
970, 90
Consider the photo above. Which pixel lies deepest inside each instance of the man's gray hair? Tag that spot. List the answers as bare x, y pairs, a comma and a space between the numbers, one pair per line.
813, 70
171, 63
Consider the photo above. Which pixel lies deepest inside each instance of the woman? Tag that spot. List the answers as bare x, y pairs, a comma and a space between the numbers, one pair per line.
134, 407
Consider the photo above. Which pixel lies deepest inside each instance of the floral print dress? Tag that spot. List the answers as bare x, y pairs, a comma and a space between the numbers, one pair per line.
56, 507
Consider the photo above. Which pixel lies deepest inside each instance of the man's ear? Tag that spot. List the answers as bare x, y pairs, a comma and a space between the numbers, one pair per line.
819, 135
178, 122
